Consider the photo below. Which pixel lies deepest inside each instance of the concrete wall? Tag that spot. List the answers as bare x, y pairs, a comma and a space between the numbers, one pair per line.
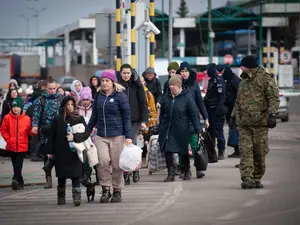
80, 72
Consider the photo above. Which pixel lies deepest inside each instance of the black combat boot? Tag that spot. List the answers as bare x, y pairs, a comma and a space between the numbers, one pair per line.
48, 182
116, 197
136, 176
248, 184
170, 177
258, 184
61, 195
106, 195
76, 194
200, 174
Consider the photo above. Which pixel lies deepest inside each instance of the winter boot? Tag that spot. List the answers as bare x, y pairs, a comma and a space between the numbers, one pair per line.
106, 195
76, 194
221, 155
136, 176
48, 182
248, 184
258, 184
116, 197
61, 195
200, 174
170, 177
127, 178
187, 174
15, 185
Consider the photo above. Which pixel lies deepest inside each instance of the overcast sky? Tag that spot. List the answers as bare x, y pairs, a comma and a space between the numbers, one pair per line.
61, 12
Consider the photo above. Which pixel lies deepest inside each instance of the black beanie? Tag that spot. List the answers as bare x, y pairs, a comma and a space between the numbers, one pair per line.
249, 62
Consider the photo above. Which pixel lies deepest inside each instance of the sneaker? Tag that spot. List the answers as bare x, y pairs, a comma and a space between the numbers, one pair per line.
15, 185
200, 174
136, 176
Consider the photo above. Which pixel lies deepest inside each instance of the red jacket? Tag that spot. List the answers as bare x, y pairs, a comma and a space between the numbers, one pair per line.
15, 131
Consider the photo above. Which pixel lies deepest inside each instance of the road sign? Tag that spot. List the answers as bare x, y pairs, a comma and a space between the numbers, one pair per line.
286, 56
228, 59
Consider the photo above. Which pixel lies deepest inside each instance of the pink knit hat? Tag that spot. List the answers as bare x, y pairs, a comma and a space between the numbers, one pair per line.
109, 74
86, 93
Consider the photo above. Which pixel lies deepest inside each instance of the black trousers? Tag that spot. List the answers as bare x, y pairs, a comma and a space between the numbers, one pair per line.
169, 159
17, 159
62, 182
169, 156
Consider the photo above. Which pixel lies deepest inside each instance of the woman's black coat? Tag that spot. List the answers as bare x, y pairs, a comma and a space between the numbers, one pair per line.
67, 163
175, 117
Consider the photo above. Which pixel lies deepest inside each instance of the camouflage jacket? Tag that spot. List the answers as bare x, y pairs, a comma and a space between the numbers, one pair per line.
257, 97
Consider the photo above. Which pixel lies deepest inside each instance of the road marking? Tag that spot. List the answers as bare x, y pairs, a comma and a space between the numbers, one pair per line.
262, 192
21, 193
230, 216
251, 203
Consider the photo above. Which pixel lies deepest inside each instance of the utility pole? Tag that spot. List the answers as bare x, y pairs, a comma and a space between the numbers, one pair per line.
163, 29
210, 33
27, 18
170, 37
260, 32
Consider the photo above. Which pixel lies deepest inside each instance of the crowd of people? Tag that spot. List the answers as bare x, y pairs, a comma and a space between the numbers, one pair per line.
114, 109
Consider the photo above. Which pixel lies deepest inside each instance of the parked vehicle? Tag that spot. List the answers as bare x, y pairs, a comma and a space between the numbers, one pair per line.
283, 111
65, 82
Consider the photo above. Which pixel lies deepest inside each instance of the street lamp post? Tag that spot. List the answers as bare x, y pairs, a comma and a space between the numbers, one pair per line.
27, 19
37, 12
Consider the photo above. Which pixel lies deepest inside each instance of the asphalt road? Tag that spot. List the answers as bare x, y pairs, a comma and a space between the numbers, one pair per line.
217, 199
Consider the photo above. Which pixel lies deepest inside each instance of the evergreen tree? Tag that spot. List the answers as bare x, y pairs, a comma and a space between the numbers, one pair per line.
183, 9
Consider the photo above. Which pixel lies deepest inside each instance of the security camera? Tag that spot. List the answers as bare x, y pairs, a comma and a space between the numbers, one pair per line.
152, 27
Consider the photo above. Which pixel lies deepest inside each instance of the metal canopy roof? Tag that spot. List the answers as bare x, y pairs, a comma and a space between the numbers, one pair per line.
29, 42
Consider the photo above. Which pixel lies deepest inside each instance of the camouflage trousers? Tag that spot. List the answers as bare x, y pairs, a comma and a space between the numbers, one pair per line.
254, 146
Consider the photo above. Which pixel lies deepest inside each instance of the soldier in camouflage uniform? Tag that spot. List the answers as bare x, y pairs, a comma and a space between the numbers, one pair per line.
254, 113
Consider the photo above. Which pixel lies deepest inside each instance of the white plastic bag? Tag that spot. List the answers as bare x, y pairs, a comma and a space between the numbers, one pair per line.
131, 158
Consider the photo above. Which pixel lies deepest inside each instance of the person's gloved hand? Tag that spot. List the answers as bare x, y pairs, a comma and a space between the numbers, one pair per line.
272, 121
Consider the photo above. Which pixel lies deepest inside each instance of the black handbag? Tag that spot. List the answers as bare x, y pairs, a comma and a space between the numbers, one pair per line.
210, 147
201, 156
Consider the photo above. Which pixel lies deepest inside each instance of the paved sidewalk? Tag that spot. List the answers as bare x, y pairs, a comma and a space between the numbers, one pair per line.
32, 172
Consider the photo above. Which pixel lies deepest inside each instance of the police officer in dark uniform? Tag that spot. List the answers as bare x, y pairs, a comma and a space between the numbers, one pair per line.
232, 86
215, 104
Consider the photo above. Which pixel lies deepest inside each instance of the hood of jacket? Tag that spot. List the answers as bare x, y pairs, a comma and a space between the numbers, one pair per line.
73, 87
99, 82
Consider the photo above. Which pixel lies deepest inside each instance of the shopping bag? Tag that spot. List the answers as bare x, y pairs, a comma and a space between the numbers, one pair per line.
201, 156
131, 158
2, 143
233, 138
209, 146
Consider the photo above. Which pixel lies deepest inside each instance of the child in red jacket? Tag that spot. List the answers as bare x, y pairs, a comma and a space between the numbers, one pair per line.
15, 128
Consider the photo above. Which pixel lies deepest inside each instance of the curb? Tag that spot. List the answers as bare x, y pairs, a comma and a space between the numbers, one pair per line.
25, 185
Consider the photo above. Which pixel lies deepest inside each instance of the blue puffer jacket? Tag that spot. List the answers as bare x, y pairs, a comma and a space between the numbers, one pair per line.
111, 115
